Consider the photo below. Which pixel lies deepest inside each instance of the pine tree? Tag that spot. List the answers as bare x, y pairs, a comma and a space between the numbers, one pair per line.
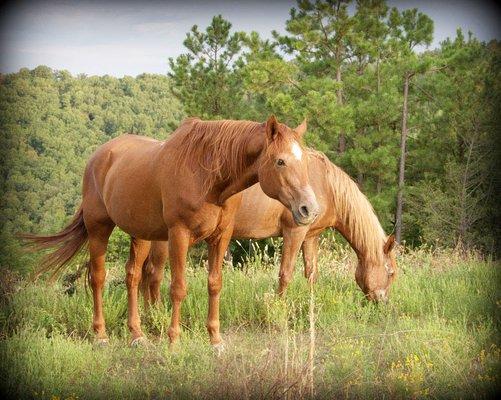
206, 79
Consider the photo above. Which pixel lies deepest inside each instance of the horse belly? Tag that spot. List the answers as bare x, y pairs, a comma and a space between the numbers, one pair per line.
133, 203
139, 219
261, 232
258, 216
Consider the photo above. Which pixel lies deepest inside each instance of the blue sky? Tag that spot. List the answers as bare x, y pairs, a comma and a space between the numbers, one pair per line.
129, 38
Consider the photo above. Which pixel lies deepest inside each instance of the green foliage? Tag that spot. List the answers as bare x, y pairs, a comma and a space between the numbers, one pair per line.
206, 79
452, 155
343, 70
50, 124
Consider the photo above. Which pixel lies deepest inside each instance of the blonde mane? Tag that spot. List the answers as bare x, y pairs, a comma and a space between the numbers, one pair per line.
217, 147
356, 213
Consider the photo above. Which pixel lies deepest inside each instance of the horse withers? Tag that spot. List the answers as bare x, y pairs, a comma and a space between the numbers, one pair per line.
179, 190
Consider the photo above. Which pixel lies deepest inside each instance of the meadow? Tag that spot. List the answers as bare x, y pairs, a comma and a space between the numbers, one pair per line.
438, 337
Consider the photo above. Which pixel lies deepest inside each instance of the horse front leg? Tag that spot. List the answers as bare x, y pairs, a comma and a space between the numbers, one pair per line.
310, 258
292, 242
179, 241
138, 252
217, 250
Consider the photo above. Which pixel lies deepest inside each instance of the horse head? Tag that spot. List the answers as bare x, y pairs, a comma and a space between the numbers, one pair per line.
374, 276
283, 171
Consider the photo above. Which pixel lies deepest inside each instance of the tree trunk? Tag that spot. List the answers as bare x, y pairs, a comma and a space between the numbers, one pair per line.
339, 93
378, 185
401, 170
464, 208
360, 180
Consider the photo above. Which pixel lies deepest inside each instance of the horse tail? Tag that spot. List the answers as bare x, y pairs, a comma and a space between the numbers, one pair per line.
66, 244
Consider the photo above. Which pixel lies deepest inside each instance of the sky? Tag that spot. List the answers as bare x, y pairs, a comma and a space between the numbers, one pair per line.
129, 38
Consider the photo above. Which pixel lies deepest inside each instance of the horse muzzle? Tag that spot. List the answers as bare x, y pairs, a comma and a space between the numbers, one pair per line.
305, 214
378, 296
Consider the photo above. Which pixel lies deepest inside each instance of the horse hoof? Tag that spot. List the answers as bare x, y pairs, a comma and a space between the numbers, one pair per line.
101, 342
218, 348
139, 342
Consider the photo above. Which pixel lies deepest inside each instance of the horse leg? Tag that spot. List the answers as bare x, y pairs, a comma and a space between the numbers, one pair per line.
98, 242
217, 250
144, 283
138, 252
179, 241
159, 256
292, 242
310, 258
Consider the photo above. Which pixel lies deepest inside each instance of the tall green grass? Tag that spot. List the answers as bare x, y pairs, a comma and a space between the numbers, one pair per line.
437, 338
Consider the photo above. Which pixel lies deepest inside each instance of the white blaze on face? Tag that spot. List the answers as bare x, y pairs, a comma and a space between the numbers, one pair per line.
296, 150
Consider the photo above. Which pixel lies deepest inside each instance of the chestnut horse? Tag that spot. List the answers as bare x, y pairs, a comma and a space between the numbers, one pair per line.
179, 190
343, 206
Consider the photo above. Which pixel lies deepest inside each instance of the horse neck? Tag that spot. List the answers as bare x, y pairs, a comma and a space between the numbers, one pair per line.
355, 218
238, 170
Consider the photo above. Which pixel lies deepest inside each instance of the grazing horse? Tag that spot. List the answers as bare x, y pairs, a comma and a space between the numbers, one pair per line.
343, 206
179, 190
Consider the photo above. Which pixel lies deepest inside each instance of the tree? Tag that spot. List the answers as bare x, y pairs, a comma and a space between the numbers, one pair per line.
206, 78
410, 28
371, 90
457, 194
321, 39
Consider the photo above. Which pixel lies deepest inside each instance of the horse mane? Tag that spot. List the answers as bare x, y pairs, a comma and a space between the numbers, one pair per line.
355, 212
217, 147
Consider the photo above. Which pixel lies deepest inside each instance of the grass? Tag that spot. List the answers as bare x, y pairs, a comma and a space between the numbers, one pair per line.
437, 338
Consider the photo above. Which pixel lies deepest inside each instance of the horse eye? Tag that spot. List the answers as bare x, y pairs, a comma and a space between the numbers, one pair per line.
389, 270
280, 162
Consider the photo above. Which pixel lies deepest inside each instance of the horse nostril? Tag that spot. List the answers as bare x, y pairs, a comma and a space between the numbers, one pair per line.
304, 211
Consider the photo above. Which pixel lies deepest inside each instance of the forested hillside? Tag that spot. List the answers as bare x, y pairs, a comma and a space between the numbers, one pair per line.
50, 124
358, 79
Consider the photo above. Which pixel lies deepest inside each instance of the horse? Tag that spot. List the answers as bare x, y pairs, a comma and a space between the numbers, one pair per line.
178, 190
343, 207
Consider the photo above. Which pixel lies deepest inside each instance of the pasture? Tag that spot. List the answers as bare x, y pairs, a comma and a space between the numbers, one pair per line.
438, 337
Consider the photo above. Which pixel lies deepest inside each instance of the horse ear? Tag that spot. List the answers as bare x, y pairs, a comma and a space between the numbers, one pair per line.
271, 128
390, 243
301, 129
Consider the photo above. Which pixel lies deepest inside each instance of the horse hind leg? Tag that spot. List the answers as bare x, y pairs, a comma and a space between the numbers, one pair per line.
138, 252
159, 256
144, 284
98, 243
153, 273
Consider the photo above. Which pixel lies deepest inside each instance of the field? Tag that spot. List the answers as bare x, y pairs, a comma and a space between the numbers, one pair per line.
437, 338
